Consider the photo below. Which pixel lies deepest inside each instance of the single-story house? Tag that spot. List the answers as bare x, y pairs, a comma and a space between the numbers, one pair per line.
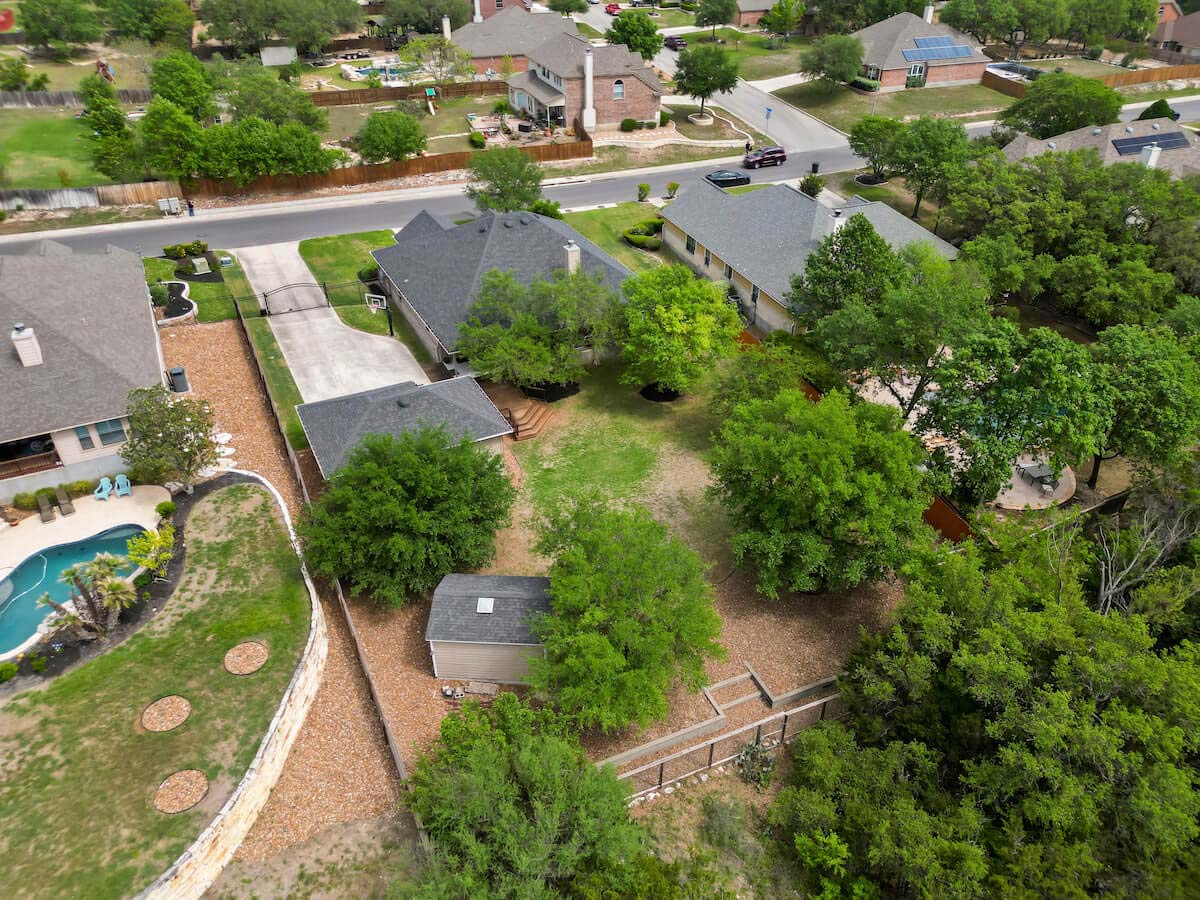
433, 271
336, 426
81, 336
479, 626
1157, 143
907, 49
759, 240
1180, 34
568, 79
512, 33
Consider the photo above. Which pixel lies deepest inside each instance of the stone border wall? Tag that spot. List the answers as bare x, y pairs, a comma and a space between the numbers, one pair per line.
194, 872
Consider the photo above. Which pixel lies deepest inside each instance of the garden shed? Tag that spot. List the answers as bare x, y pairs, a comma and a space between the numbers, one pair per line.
479, 626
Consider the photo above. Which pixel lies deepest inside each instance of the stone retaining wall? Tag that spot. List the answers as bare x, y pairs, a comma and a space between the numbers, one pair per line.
200, 865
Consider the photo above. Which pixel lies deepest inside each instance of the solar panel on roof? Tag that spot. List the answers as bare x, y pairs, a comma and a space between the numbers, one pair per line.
1172, 140
958, 51
934, 42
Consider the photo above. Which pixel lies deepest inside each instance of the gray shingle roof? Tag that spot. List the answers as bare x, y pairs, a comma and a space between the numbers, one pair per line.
454, 615
512, 31
439, 272
767, 234
754, 5
1179, 161
337, 425
884, 41
544, 93
564, 57
91, 315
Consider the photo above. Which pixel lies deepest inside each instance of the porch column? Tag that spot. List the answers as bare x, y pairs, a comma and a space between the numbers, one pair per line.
478, 17
589, 91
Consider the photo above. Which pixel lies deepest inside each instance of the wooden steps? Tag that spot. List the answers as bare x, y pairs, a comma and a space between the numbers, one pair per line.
530, 418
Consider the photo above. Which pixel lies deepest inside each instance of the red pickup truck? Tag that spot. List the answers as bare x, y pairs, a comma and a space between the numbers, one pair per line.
613, 9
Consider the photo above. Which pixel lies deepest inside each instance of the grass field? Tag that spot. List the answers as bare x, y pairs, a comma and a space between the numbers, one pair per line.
671, 18
281, 387
1074, 65
214, 301
895, 195
48, 150
451, 118
588, 31
604, 227
842, 108
80, 774
725, 128
756, 60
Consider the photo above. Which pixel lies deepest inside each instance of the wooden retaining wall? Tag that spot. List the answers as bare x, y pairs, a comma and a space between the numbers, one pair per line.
68, 99
356, 96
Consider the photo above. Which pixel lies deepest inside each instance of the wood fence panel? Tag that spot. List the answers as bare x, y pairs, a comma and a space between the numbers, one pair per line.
69, 99
355, 96
1148, 76
1003, 85
131, 194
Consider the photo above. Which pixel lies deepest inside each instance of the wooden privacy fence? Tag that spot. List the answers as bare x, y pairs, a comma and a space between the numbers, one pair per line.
1006, 86
1147, 76
356, 96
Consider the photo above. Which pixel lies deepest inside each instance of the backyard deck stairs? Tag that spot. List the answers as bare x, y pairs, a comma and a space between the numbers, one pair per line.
530, 418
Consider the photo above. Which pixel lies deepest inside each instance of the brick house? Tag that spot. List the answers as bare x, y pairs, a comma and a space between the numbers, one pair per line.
750, 12
485, 9
1169, 11
1179, 35
569, 79
512, 33
909, 49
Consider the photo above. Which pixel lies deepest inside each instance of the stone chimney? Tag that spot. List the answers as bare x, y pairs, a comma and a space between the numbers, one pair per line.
589, 91
1150, 155
26, 344
928, 14
446, 27
571, 255
478, 16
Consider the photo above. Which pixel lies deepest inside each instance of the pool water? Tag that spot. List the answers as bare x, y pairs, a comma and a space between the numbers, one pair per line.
20, 590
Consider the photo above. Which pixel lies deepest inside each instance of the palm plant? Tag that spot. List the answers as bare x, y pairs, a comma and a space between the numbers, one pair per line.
98, 594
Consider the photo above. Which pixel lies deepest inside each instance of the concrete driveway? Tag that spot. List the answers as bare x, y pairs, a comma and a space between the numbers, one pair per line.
327, 358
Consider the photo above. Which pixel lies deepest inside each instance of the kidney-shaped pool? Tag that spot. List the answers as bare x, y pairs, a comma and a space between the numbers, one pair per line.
20, 589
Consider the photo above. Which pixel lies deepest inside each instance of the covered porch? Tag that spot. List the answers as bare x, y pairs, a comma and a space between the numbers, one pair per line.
531, 96
27, 456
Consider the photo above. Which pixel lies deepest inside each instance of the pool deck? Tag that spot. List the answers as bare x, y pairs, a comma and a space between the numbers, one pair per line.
92, 516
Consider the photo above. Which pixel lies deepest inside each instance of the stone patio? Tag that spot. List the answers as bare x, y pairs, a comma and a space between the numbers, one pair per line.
1020, 494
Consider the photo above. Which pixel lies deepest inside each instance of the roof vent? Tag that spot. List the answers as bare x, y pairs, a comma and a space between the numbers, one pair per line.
402, 403
1052, 145
1097, 130
1129, 129
25, 342
483, 226
484, 606
1156, 126
525, 220
837, 213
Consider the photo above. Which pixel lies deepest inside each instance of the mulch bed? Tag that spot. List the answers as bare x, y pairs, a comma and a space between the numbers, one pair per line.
246, 658
177, 305
212, 277
181, 791
166, 713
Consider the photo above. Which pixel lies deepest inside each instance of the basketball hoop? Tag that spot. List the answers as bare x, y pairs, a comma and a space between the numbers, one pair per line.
376, 302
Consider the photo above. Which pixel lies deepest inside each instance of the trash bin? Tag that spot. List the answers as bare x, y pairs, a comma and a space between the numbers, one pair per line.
178, 379
816, 167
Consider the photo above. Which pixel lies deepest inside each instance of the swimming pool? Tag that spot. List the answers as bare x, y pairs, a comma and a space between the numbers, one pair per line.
20, 590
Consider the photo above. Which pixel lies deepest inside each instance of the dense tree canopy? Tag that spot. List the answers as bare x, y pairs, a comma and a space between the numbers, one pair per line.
59, 24
715, 12
258, 93
391, 135
244, 150
785, 17
425, 16
704, 71
1058, 102
851, 15
875, 139
833, 58
637, 31
504, 179
181, 78
309, 24
927, 153
170, 139
405, 511
169, 439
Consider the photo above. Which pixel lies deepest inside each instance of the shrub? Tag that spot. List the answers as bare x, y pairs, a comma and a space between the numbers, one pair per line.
367, 274
144, 580
723, 823
672, 189
628, 124
755, 765
1094, 52
643, 191
175, 251
166, 509
551, 209
159, 295
37, 663
687, 6
81, 487
3, 214
812, 185
185, 267
1127, 61
501, 108
8, 671
43, 492
865, 84
26, 500
664, 117
915, 81
644, 234
197, 248
477, 140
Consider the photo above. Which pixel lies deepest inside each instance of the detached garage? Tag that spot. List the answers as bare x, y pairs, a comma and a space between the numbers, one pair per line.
479, 626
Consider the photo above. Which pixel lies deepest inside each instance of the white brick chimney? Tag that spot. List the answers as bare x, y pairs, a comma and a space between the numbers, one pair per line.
446, 27
1150, 155
927, 15
571, 255
589, 91
478, 17
26, 344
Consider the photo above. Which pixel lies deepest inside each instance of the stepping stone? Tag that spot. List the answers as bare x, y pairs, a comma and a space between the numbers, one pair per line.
166, 713
181, 791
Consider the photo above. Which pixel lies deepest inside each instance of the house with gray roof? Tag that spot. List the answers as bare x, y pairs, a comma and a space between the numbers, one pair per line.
907, 50
81, 336
432, 272
757, 241
480, 626
336, 426
511, 33
1178, 34
1156, 143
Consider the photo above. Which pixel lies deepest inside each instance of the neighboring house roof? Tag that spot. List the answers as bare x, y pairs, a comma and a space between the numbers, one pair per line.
91, 315
768, 234
439, 273
564, 57
1184, 31
893, 44
337, 425
544, 93
755, 5
1109, 140
512, 32
516, 600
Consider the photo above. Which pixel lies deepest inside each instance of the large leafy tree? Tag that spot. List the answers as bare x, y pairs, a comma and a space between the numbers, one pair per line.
1013, 22
566, 7
172, 24
391, 134
784, 18
308, 24
631, 611
833, 59
875, 139
637, 31
822, 495
166, 21
259, 93
504, 180
714, 13
1059, 102
405, 511
169, 438
59, 24
760, 371
425, 16
926, 152
182, 79
515, 810
443, 60
677, 326
16, 75
246, 149
702, 72
113, 144
170, 138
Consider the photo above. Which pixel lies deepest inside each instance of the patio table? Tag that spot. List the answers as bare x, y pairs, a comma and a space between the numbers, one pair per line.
1037, 473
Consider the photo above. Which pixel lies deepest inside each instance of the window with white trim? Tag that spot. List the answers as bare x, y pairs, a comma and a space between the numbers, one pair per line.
916, 70
84, 434
618, 89
873, 72
110, 432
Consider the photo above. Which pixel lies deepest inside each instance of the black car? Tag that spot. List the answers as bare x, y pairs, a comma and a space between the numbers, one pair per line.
767, 156
674, 42
725, 178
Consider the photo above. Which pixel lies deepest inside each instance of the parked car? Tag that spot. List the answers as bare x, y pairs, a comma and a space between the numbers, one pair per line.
725, 178
767, 156
593, 2
674, 42
613, 9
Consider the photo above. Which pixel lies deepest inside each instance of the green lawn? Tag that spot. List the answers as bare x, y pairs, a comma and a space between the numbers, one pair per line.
726, 126
842, 108
588, 31
281, 387
895, 195
604, 227
1075, 65
214, 301
80, 774
756, 59
451, 118
671, 18
746, 188
40, 149
1133, 95
79, 218
376, 323
335, 261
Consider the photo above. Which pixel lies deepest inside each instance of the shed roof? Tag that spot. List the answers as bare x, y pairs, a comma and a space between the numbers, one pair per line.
91, 315
517, 599
337, 425
511, 32
884, 42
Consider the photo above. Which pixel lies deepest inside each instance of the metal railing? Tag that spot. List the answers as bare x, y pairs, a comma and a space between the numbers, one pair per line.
27, 465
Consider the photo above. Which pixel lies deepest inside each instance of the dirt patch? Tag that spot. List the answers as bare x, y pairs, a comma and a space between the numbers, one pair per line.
166, 713
246, 658
181, 791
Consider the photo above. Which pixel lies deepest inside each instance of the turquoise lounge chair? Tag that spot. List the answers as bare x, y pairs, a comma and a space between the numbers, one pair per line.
124, 488
104, 489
